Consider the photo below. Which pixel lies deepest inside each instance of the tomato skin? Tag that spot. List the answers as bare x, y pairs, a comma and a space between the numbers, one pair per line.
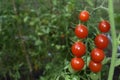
101, 41
81, 31
95, 67
84, 15
77, 63
97, 55
78, 49
104, 26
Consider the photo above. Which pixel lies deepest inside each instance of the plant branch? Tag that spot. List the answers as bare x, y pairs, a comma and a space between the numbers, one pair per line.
22, 43
114, 43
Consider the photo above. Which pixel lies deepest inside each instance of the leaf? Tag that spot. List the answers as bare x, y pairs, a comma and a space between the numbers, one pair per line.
26, 19
88, 60
67, 77
94, 76
106, 60
117, 63
70, 69
90, 2
54, 2
75, 77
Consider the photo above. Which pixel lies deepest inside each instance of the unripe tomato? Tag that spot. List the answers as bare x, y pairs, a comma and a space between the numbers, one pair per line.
77, 63
95, 67
84, 15
78, 49
81, 31
104, 26
101, 41
97, 55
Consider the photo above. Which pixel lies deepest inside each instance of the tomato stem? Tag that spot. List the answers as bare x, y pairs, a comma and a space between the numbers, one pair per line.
114, 43
99, 75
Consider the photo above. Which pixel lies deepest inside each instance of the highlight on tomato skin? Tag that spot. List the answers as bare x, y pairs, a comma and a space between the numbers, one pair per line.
97, 55
77, 64
78, 49
95, 67
84, 15
81, 31
101, 41
104, 26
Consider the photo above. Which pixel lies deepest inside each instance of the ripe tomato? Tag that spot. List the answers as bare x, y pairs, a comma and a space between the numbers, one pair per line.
95, 67
97, 55
101, 41
81, 31
77, 63
78, 49
84, 15
104, 26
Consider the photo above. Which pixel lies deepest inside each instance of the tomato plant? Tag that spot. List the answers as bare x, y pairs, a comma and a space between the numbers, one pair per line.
104, 26
78, 49
84, 15
101, 41
77, 63
28, 25
97, 55
81, 31
95, 67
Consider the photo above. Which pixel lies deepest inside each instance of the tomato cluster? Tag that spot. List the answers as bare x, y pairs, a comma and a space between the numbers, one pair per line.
78, 48
101, 42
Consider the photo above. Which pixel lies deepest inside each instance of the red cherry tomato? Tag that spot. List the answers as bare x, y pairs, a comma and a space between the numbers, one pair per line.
78, 49
77, 63
81, 31
95, 67
97, 55
104, 26
101, 41
84, 15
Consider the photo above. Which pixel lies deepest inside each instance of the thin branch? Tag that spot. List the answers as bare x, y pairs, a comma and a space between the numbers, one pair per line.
22, 44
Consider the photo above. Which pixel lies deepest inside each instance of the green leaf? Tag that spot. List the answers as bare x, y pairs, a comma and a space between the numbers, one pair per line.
75, 77
88, 60
26, 19
67, 77
54, 2
90, 2
117, 63
58, 47
106, 60
70, 69
37, 42
94, 76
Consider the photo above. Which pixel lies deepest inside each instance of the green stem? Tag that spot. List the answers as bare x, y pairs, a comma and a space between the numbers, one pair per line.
114, 42
99, 74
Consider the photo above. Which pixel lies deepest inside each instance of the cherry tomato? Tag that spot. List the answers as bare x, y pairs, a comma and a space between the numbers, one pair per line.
104, 26
77, 63
84, 15
81, 31
95, 67
78, 49
101, 41
97, 55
